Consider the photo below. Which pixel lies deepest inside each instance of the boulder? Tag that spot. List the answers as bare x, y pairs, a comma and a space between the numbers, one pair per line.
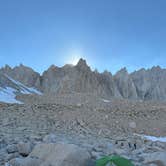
132, 125
61, 155
158, 158
119, 151
24, 149
12, 148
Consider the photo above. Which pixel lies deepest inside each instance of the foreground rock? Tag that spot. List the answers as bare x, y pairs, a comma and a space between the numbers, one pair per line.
24, 162
54, 155
24, 148
61, 155
158, 158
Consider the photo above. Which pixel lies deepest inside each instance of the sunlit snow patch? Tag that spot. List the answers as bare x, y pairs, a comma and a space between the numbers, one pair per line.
35, 91
7, 95
24, 89
152, 138
106, 101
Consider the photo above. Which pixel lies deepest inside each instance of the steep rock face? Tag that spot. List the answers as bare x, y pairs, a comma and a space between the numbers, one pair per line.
125, 84
4, 82
150, 84
79, 79
24, 74
58, 80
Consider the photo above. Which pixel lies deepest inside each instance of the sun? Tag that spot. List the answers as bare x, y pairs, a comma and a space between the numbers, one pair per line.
74, 59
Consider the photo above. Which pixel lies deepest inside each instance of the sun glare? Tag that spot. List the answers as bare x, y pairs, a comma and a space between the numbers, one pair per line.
74, 59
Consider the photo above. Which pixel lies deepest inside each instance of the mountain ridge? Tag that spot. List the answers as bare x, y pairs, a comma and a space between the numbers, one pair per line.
143, 84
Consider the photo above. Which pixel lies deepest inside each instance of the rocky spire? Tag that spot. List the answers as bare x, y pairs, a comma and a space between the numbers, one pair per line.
82, 65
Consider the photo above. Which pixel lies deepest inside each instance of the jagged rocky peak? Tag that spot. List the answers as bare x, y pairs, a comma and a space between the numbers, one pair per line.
82, 65
96, 71
51, 72
23, 68
24, 74
21, 65
125, 84
6, 69
122, 71
107, 73
156, 68
53, 67
142, 70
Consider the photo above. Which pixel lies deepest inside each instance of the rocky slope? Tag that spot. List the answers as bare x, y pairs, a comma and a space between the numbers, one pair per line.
105, 128
139, 85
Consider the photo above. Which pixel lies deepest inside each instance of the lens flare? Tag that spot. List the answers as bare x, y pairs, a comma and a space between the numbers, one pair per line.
73, 59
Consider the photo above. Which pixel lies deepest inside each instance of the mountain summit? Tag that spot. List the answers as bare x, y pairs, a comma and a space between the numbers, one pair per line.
142, 84
82, 63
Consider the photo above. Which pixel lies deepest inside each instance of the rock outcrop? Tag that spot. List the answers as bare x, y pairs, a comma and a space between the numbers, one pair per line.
61, 155
150, 84
125, 84
158, 158
24, 74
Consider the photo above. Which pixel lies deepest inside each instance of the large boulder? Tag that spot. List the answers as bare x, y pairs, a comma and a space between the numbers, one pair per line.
12, 148
61, 155
158, 158
24, 148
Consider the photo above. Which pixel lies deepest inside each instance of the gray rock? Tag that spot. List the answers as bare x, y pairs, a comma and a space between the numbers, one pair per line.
61, 155
24, 149
12, 148
119, 151
160, 144
2, 143
125, 84
158, 158
11, 156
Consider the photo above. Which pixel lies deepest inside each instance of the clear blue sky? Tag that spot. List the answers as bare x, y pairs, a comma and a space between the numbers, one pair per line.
109, 34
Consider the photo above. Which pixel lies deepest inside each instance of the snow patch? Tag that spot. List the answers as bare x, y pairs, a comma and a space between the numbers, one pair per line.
7, 95
106, 101
24, 89
152, 138
35, 91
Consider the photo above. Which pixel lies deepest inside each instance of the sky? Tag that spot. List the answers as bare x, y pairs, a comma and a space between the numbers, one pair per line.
109, 34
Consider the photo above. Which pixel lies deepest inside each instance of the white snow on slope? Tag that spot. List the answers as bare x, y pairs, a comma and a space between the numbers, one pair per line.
106, 101
24, 89
7, 95
35, 91
152, 138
